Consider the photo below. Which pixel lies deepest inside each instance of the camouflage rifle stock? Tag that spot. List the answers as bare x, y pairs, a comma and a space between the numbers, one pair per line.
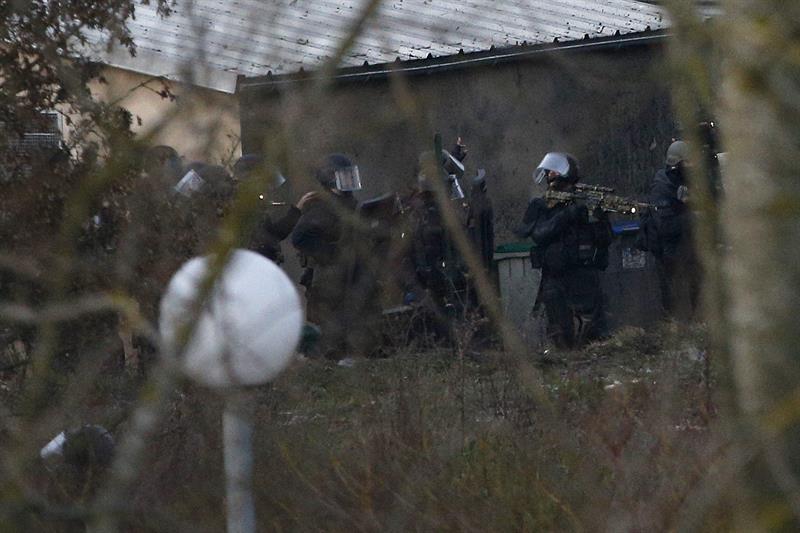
597, 196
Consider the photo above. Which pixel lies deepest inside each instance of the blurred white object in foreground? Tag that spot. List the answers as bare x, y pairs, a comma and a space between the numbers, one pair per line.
248, 329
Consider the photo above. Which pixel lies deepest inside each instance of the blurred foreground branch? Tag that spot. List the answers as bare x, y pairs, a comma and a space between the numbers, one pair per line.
761, 112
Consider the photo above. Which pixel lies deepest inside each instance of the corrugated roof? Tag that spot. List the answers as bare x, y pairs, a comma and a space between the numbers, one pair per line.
210, 42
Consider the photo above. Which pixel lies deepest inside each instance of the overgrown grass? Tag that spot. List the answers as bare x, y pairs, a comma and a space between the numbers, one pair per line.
427, 441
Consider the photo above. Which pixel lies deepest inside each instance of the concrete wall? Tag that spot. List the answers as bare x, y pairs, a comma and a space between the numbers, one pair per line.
607, 107
200, 124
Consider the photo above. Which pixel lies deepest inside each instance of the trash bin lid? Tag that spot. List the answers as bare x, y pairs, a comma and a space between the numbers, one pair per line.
625, 226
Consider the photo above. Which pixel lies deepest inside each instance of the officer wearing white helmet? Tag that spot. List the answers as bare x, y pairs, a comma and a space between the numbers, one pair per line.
571, 249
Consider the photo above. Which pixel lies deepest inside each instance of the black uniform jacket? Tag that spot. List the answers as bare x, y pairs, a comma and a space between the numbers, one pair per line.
320, 227
565, 238
668, 224
269, 233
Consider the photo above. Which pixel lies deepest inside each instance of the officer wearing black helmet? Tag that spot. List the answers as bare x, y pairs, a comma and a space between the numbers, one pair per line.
76, 462
153, 221
321, 224
324, 237
201, 198
571, 248
480, 220
162, 166
438, 272
270, 230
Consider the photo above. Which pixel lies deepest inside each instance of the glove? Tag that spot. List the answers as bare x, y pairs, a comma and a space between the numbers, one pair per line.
599, 214
459, 150
307, 197
576, 212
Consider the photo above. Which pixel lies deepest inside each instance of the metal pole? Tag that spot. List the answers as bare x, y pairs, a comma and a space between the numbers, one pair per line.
237, 428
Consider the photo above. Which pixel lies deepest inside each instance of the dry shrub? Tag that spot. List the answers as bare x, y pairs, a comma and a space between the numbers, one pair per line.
430, 441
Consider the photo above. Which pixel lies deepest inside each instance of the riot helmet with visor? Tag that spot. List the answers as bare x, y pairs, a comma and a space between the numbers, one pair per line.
557, 166
340, 173
250, 165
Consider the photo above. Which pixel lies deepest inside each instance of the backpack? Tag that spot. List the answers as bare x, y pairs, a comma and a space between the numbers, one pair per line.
648, 239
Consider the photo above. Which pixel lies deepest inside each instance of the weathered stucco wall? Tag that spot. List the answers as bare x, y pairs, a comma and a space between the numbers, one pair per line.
607, 107
199, 123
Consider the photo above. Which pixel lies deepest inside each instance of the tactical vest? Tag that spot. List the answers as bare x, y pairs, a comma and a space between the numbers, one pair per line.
582, 245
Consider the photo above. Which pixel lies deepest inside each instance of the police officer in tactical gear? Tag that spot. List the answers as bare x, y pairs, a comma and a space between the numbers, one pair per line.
76, 461
667, 233
453, 171
437, 269
480, 220
202, 197
270, 230
322, 222
151, 245
162, 164
571, 248
325, 238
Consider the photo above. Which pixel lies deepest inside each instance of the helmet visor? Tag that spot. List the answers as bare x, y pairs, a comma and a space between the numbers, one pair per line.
452, 165
552, 162
189, 184
348, 179
55, 447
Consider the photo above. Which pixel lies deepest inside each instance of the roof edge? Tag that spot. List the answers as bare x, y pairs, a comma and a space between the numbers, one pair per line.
456, 61
186, 72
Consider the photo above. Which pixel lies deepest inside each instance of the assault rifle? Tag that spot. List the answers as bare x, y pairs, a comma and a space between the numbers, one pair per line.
596, 196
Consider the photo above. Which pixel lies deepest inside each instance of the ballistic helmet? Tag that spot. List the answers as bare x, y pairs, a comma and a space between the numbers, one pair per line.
83, 447
88, 446
162, 161
559, 166
246, 165
480, 177
677, 152
251, 164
